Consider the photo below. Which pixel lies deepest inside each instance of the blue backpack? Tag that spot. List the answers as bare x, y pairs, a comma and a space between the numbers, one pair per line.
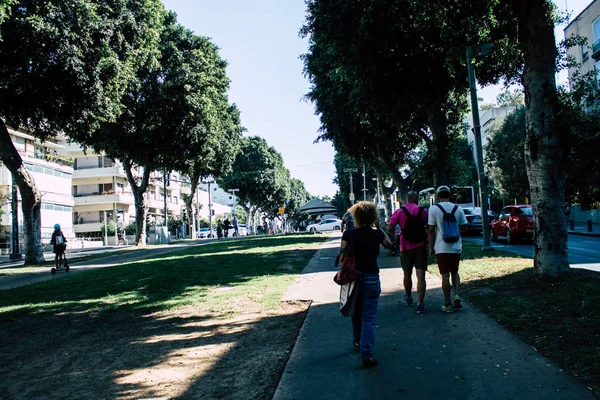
450, 231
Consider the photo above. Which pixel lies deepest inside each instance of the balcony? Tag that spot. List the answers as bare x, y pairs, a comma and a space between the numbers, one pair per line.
94, 199
596, 50
91, 173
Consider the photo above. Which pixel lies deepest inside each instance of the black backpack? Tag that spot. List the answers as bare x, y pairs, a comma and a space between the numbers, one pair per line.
414, 230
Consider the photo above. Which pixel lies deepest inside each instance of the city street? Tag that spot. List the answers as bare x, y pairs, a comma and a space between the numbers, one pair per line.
584, 251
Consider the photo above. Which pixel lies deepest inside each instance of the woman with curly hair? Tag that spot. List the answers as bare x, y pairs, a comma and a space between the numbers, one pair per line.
364, 242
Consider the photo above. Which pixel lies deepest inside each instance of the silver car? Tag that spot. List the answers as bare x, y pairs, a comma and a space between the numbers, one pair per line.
325, 225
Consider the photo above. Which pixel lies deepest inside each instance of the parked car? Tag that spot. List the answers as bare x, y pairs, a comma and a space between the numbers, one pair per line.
203, 233
329, 224
514, 222
242, 230
473, 215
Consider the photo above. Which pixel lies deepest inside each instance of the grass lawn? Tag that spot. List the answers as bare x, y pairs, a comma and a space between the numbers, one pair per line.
71, 258
204, 321
560, 318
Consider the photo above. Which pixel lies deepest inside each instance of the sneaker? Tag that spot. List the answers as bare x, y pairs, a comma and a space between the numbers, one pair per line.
420, 309
448, 308
457, 303
408, 300
369, 362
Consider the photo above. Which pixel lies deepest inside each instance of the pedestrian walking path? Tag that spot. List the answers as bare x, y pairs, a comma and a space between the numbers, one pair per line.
465, 355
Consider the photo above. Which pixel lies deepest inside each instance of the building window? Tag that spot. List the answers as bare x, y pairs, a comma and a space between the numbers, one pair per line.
596, 30
584, 52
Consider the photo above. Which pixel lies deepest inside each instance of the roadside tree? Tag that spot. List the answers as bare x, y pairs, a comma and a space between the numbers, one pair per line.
64, 66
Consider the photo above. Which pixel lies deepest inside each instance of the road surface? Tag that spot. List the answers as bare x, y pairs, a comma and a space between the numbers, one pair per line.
584, 251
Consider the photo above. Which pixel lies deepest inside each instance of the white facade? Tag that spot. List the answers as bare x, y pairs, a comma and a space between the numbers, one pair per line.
487, 118
586, 24
52, 173
101, 190
218, 195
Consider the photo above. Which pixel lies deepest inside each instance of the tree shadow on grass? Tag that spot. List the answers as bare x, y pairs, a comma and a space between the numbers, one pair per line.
163, 282
143, 329
118, 354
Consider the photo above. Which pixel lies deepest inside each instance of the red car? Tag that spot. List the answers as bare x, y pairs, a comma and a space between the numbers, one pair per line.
514, 222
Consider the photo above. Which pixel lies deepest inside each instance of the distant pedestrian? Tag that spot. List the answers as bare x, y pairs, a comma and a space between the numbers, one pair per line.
364, 242
235, 226
265, 227
445, 221
226, 227
59, 244
568, 211
412, 220
347, 221
219, 229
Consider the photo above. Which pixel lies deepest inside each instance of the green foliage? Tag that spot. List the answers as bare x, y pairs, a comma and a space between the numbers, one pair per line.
110, 228
130, 228
505, 156
386, 77
508, 98
342, 179
64, 65
505, 159
259, 174
298, 197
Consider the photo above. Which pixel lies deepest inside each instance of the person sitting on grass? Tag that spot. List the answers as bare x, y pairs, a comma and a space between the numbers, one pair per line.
364, 242
59, 244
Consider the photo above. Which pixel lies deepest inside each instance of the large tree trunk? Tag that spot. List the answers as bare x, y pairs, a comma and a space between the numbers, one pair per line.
439, 144
139, 202
30, 197
189, 201
544, 158
387, 208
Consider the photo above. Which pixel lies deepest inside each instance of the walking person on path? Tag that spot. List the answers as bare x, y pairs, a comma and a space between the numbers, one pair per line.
413, 253
364, 242
444, 221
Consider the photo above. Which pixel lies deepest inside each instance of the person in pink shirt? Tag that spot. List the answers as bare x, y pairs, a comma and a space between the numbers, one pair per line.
412, 219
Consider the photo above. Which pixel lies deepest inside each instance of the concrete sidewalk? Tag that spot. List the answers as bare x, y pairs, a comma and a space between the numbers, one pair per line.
465, 355
581, 228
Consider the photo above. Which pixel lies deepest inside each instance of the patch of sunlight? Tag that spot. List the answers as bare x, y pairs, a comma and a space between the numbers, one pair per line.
125, 298
173, 376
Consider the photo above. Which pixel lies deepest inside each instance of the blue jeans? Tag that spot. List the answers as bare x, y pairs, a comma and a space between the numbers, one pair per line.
365, 313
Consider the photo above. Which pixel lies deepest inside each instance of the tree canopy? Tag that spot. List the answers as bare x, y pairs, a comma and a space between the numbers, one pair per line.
64, 66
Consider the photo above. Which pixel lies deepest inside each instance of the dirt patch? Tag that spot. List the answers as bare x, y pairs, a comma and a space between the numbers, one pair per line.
184, 353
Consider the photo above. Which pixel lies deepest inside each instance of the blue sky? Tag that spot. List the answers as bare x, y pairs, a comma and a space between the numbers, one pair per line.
260, 41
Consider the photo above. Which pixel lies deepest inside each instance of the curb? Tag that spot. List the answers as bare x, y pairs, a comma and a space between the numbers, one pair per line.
591, 234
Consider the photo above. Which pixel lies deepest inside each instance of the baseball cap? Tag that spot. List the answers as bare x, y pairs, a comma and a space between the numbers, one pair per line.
442, 189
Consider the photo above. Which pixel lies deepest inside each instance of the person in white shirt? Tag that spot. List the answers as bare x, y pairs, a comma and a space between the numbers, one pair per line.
447, 254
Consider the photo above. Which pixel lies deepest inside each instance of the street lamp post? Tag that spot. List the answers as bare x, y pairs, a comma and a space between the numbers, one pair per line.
350, 171
210, 225
378, 192
478, 145
16, 253
364, 184
233, 194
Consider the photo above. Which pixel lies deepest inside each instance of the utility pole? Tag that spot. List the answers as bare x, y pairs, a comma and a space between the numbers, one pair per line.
210, 225
378, 192
487, 246
364, 184
16, 253
165, 198
350, 171
233, 193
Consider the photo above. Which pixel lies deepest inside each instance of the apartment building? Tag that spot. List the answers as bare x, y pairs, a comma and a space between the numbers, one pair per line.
52, 172
219, 195
102, 192
586, 24
487, 118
